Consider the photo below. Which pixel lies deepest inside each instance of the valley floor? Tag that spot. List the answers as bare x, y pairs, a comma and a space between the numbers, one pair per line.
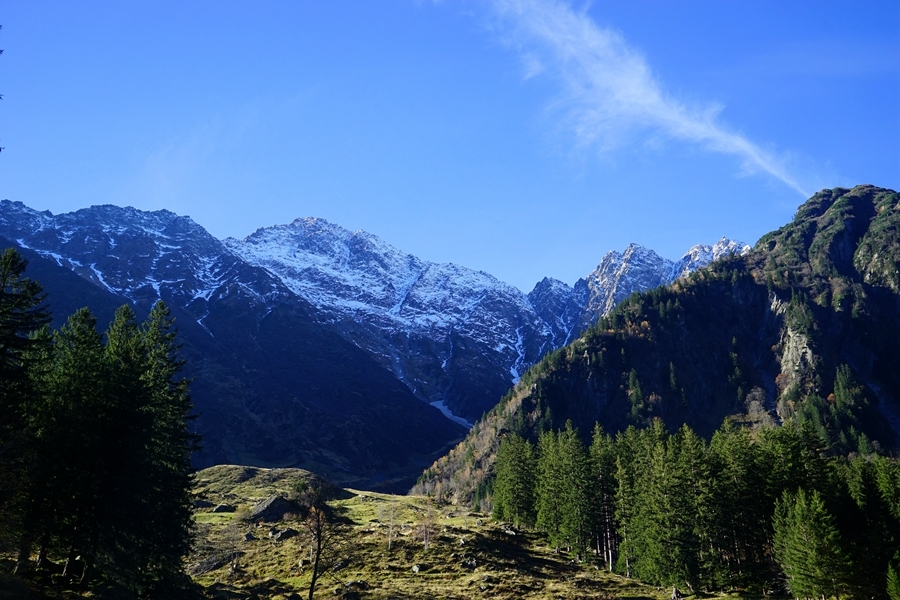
468, 556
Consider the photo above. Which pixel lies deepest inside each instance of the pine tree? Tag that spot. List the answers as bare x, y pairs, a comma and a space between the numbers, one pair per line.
110, 483
69, 422
514, 484
864, 517
631, 451
603, 479
808, 546
21, 315
168, 448
893, 584
577, 515
692, 491
564, 490
739, 521
792, 457
667, 497
549, 488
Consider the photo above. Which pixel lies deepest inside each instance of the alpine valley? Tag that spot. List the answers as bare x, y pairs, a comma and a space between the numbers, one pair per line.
315, 347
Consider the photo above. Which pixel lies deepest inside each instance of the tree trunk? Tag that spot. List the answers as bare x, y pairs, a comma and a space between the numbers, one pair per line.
24, 555
315, 568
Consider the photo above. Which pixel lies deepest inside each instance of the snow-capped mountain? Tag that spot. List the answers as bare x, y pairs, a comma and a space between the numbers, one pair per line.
139, 255
304, 330
457, 338
702, 254
570, 310
272, 385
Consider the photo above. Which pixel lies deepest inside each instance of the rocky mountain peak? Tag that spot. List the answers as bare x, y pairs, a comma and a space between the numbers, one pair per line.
140, 255
703, 254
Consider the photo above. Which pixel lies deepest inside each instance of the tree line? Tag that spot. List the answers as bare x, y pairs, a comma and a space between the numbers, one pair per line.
759, 510
94, 444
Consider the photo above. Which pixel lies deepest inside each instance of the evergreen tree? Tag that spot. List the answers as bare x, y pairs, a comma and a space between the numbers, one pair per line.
550, 490
574, 464
168, 447
630, 456
110, 483
636, 396
865, 518
564, 490
893, 584
808, 546
21, 314
793, 457
69, 422
693, 537
149, 472
739, 523
603, 479
514, 483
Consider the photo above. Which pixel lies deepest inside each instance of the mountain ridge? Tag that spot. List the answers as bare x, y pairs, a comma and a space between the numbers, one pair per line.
272, 386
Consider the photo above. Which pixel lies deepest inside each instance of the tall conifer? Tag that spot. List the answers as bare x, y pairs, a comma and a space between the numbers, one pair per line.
603, 464
21, 314
808, 546
515, 481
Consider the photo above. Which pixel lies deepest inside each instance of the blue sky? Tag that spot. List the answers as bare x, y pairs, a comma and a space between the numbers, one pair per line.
520, 137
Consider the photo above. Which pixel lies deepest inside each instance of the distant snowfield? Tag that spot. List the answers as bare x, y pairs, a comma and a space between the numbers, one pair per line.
439, 404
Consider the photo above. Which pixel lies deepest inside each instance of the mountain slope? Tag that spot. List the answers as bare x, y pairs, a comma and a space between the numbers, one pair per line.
807, 326
271, 385
458, 338
453, 335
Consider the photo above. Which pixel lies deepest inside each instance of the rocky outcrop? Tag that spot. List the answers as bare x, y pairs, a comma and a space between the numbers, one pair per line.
273, 509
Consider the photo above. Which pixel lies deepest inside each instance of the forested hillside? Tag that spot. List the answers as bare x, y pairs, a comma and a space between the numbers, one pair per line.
805, 326
785, 358
757, 511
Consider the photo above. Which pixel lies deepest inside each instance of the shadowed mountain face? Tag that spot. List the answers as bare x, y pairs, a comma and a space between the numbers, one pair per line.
805, 326
272, 386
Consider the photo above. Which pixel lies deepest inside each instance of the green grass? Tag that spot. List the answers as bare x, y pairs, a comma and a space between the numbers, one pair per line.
519, 566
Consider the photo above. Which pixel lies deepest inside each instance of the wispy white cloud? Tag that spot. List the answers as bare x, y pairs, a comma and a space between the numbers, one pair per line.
610, 90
